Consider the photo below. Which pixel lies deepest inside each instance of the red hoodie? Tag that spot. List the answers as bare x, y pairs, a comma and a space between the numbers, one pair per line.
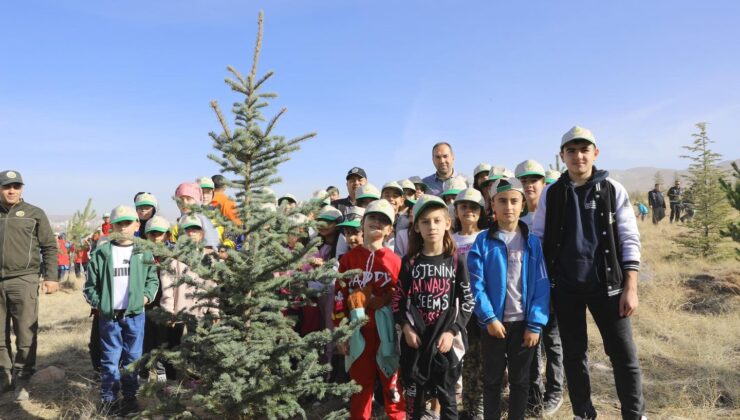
379, 269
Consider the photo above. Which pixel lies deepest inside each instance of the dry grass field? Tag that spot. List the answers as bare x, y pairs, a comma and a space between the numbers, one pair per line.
687, 331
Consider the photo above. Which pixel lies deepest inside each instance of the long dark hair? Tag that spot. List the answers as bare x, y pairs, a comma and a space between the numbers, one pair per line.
416, 242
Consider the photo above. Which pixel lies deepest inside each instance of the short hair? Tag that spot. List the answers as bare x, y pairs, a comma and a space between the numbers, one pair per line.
218, 180
442, 143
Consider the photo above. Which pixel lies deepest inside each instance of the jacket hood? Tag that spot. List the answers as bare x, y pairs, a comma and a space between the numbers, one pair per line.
597, 176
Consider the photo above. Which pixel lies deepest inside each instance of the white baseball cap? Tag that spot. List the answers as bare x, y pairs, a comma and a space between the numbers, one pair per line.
578, 133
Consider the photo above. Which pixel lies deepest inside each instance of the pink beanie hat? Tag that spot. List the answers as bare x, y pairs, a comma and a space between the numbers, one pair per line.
190, 189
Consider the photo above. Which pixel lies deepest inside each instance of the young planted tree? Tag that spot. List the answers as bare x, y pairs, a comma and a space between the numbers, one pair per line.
709, 200
732, 190
244, 358
79, 226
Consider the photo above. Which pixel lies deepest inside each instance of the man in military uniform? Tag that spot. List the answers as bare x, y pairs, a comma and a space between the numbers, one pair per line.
26, 241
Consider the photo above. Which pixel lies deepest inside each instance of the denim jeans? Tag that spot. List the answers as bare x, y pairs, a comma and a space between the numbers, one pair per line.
551, 346
616, 333
121, 341
498, 353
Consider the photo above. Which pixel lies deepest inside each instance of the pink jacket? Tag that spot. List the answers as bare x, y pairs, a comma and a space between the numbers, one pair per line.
180, 298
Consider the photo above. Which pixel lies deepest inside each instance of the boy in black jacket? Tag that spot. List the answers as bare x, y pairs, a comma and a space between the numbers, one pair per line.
592, 250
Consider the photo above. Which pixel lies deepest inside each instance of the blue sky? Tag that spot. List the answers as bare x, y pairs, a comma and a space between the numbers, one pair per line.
102, 99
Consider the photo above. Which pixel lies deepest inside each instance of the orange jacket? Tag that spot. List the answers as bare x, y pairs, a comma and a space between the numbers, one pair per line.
226, 205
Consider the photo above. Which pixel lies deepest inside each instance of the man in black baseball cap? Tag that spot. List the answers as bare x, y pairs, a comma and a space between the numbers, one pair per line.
26, 241
356, 177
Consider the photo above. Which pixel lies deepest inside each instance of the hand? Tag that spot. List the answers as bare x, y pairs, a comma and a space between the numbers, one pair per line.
146, 300
412, 339
628, 302
357, 299
343, 348
530, 338
496, 329
51, 287
445, 342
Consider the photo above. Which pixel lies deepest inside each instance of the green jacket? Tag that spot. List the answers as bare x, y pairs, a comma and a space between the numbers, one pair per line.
142, 280
26, 239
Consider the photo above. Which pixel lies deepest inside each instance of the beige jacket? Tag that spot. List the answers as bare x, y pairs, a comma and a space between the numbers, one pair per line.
176, 298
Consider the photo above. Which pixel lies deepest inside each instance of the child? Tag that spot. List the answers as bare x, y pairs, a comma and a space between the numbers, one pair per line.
121, 281
146, 208
432, 305
206, 188
156, 333
452, 188
351, 235
178, 296
480, 176
421, 187
592, 245
643, 210
287, 202
189, 194
512, 298
544, 397
371, 352
106, 226
366, 194
469, 211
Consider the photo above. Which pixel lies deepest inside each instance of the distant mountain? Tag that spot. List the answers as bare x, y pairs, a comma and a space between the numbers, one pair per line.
643, 178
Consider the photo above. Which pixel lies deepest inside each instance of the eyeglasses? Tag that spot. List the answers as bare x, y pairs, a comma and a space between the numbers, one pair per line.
13, 186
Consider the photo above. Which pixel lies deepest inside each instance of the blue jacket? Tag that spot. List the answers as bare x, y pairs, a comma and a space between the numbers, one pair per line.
487, 265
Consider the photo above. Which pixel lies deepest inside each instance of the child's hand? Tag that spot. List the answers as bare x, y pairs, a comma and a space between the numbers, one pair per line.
445, 342
412, 339
343, 348
496, 329
530, 338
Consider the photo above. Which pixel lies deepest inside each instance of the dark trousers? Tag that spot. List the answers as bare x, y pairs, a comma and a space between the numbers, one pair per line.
442, 386
498, 353
19, 309
658, 214
94, 345
616, 333
675, 212
549, 351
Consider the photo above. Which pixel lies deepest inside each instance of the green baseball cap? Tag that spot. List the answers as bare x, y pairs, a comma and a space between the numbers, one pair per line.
506, 184
482, 167
367, 191
157, 224
190, 221
145, 199
123, 214
206, 182
577, 133
383, 207
330, 214
425, 201
529, 167
551, 176
472, 195
453, 186
353, 218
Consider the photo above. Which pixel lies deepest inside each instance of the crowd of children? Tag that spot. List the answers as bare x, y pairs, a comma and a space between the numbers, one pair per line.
466, 288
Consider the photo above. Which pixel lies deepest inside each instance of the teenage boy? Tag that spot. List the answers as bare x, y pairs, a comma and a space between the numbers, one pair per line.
592, 248
356, 177
548, 397
512, 298
122, 280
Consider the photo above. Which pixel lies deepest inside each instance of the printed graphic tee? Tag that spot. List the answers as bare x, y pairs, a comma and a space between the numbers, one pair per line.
121, 262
